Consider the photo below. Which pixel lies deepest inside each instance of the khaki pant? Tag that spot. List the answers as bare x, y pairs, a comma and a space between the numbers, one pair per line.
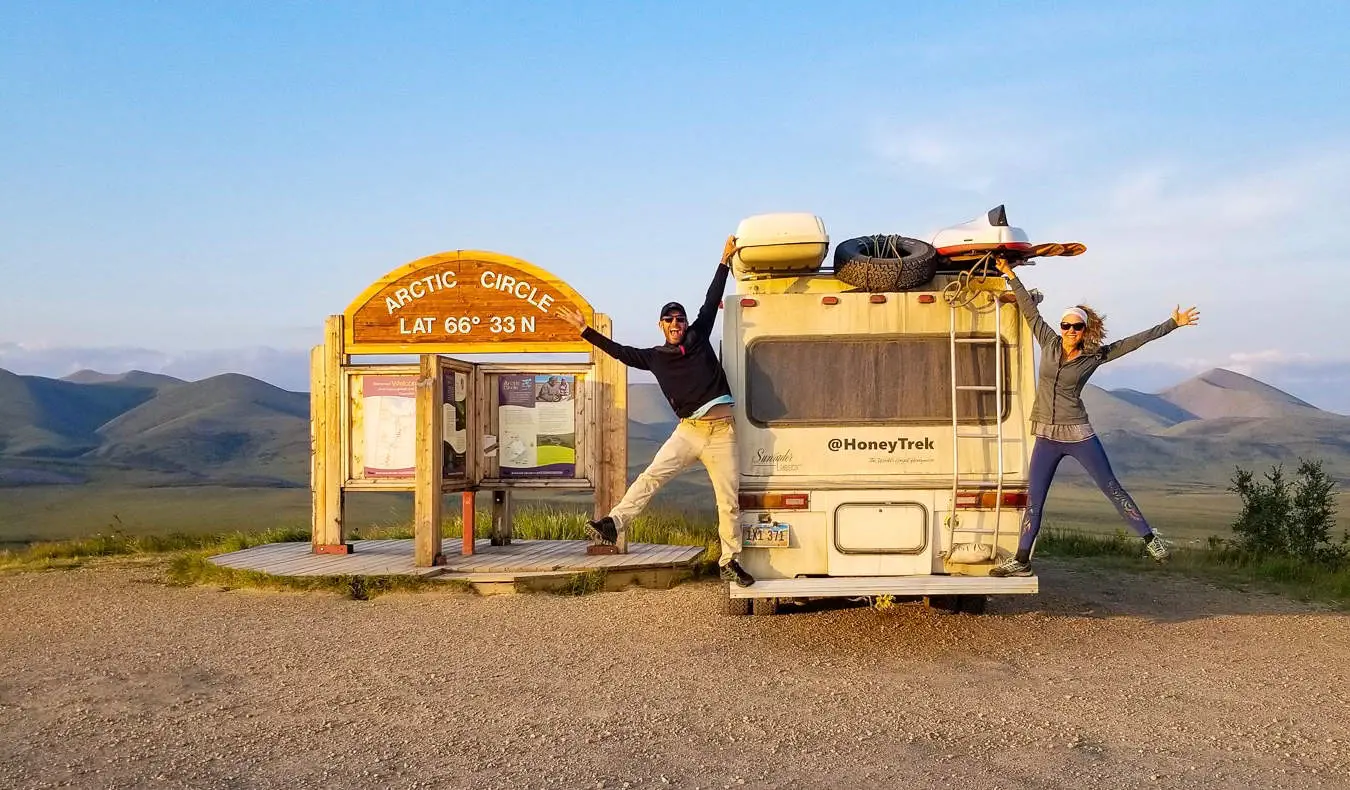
714, 443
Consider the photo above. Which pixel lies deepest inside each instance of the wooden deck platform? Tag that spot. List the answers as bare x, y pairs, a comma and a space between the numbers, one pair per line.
490, 568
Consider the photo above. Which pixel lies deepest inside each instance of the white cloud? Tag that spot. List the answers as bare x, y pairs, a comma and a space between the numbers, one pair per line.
974, 157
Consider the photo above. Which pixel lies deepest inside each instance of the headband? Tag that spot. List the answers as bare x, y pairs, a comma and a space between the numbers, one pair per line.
1075, 311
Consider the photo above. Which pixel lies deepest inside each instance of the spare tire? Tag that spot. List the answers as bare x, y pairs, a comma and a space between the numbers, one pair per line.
885, 263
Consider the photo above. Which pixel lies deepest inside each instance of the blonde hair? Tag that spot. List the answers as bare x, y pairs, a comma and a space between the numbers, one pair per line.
1095, 332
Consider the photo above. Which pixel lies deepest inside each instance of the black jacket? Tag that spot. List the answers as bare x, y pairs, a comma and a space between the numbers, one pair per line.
689, 374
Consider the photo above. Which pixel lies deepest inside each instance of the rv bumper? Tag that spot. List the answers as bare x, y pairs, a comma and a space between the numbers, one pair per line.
849, 586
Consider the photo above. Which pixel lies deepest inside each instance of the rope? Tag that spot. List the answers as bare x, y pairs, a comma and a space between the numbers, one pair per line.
958, 292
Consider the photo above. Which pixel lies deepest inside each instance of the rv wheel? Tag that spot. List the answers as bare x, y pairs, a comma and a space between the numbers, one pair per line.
765, 606
973, 604
736, 607
944, 603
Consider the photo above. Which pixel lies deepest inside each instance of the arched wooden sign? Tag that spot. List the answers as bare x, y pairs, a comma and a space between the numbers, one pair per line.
464, 302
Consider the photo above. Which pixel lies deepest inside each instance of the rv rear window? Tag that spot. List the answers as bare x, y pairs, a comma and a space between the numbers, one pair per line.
868, 380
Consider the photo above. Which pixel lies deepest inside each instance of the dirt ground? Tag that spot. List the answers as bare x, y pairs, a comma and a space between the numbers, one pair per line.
111, 679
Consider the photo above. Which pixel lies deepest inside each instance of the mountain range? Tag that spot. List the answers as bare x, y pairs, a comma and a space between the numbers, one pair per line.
143, 429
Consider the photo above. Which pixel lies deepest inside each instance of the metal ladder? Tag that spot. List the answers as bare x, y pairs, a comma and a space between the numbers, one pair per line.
999, 392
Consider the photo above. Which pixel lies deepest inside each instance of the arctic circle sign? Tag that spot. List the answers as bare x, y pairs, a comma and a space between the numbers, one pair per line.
466, 301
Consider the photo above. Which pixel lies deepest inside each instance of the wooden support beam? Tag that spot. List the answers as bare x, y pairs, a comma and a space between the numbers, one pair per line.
326, 361
430, 453
611, 479
466, 514
501, 517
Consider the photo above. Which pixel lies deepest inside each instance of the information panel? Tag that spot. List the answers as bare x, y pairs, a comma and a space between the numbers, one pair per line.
454, 423
536, 416
388, 426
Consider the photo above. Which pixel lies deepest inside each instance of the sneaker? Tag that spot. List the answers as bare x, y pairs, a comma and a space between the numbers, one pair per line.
1011, 567
1157, 548
733, 572
603, 531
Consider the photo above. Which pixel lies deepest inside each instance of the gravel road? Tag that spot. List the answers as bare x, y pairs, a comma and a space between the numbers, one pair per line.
111, 679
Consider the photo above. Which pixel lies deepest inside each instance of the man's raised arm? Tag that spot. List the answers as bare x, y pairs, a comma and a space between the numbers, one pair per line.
632, 357
707, 314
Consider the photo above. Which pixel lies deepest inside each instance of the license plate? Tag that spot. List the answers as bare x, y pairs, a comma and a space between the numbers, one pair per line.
772, 535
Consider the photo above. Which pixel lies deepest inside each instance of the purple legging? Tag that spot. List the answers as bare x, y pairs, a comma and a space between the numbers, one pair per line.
1045, 458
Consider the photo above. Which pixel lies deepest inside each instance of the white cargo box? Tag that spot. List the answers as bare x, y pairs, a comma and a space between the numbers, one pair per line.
780, 243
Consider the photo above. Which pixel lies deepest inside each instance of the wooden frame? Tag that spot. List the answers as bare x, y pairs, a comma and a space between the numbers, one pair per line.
431, 285
588, 446
462, 299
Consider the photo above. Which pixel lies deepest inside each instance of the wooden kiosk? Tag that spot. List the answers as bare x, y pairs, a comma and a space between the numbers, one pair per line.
443, 424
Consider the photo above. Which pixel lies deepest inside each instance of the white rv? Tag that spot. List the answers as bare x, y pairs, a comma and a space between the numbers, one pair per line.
884, 436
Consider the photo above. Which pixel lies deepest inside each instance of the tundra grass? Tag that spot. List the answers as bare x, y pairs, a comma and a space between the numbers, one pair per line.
185, 555
1300, 579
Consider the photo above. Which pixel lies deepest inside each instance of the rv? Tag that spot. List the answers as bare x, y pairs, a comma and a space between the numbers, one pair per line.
884, 436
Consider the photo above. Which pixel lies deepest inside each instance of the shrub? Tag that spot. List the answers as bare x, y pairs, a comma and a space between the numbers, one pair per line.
1283, 517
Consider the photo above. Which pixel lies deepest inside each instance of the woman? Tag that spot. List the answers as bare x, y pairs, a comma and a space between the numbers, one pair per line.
1059, 420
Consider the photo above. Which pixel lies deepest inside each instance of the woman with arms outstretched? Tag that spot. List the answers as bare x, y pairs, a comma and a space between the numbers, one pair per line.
1060, 421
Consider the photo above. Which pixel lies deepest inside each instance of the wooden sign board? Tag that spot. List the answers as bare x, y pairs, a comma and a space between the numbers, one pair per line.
464, 302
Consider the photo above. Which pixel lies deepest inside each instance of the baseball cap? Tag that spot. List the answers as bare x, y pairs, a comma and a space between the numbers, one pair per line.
673, 307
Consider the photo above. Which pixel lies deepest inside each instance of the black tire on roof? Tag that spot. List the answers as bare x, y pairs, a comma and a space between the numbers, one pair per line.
885, 263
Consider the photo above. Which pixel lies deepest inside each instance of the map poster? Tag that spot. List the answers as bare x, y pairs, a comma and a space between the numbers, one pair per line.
455, 425
537, 426
389, 404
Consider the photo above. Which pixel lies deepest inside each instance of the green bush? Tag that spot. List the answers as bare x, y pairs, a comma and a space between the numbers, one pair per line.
1283, 517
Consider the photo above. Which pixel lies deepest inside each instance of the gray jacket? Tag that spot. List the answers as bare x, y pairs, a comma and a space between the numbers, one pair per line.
1059, 384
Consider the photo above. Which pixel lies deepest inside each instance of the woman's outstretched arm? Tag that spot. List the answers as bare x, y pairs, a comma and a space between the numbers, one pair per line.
1124, 346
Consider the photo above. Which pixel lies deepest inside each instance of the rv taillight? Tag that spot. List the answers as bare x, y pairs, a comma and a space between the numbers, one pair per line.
775, 501
877, 298
984, 499
748, 303
829, 300
927, 298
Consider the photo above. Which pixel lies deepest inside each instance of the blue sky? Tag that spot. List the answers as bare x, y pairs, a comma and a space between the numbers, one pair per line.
194, 186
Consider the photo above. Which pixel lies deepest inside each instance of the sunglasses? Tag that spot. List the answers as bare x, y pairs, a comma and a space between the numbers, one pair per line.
674, 319
1077, 326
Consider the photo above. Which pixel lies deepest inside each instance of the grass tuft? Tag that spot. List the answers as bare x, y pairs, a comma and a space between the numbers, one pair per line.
195, 569
1328, 582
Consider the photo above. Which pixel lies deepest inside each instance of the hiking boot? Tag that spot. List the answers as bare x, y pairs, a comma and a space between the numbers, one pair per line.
733, 572
603, 531
1157, 548
1011, 567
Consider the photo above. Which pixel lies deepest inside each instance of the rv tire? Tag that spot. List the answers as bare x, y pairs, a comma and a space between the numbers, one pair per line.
973, 604
951, 604
735, 607
764, 607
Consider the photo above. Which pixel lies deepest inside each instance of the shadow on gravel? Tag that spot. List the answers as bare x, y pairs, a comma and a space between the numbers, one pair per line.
1077, 590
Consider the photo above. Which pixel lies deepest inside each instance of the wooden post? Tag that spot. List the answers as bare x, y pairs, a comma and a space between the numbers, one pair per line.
611, 478
430, 457
466, 514
327, 527
317, 476
501, 517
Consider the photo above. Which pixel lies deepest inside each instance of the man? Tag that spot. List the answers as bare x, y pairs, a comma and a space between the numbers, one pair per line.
691, 377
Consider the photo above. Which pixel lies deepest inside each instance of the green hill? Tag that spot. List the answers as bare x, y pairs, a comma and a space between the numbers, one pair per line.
42, 417
134, 378
225, 429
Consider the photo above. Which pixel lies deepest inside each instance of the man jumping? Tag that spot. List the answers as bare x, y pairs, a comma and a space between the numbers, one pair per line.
691, 377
